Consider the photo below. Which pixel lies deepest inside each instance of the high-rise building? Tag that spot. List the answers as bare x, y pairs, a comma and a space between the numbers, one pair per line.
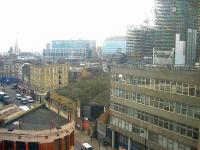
155, 108
176, 18
113, 45
71, 50
198, 31
140, 44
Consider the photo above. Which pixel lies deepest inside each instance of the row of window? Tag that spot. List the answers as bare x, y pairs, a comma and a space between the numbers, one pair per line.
157, 84
171, 106
182, 129
145, 133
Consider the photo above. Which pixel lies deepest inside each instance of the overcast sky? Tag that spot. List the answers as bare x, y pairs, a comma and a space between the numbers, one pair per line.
36, 22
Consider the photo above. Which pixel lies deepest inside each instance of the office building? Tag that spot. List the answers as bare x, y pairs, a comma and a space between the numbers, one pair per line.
198, 31
70, 50
47, 77
155, 108
176, 31
140, 44
113, 45
44, 127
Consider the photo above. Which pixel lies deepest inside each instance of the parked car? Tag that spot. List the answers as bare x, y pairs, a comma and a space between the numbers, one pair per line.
29, 99
86, 146
24, 101
18, 96
3, 96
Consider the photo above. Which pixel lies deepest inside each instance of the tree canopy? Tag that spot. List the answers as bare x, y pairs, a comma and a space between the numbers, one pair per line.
95, 89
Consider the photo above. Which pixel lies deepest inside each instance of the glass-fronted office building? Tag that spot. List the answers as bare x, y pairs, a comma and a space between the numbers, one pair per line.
113, 45
71, 50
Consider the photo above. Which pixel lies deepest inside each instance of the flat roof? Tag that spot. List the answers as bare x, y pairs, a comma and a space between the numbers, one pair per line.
39, 119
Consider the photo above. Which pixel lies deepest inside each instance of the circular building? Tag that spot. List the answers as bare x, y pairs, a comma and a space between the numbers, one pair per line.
41, 128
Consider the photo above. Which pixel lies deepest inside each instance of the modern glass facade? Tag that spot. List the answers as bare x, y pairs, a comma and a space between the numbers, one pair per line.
70, 49
114, 45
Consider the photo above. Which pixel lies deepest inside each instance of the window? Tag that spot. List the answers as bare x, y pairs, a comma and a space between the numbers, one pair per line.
184, 109
147, 99
179, 87
148, 82
197, 113
169, 144
172, 106
198, 90
152, 83
162, 85
190, 111
156, 102
185, 89
166, 105
161, 105
167, 86
157, 84
178, 108
191, 90
173, 86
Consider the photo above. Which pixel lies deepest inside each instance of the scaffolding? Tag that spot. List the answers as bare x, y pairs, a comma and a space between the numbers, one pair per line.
176, 17
140, 44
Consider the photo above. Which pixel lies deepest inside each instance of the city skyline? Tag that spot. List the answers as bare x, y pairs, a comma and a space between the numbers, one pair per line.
35, 23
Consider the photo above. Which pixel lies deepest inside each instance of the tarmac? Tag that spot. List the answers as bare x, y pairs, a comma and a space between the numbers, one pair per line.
83, 137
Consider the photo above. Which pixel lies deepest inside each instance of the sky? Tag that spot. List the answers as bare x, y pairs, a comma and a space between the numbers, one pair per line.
33, 23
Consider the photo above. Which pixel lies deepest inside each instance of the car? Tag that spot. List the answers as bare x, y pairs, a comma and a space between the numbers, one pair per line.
86, 146
3, 96
30, 100
24, 101
19, 98
18, 95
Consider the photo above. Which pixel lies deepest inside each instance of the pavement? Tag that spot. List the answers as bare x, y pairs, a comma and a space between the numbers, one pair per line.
83, 137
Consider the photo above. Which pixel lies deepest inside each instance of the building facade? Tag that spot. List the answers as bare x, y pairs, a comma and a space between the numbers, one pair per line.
176, 17
140, 44
155, 108
71, 50
198, 31
113, 45
44, 78
9, 66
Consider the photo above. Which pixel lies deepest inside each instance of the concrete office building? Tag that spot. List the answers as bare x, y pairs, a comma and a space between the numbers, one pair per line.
70, 50
155, 108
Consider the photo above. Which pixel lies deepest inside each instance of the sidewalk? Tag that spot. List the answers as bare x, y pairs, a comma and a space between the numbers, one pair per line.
83, 137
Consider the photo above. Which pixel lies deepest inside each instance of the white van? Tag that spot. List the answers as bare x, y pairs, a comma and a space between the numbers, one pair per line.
86, 146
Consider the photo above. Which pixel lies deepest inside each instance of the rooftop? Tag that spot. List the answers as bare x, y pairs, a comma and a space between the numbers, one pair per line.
39, 119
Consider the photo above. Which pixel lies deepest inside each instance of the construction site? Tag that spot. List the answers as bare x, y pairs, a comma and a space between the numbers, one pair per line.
140, 44
172, 40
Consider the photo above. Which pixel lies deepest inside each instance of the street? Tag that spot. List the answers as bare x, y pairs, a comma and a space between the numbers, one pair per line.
83, 137
12, 96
